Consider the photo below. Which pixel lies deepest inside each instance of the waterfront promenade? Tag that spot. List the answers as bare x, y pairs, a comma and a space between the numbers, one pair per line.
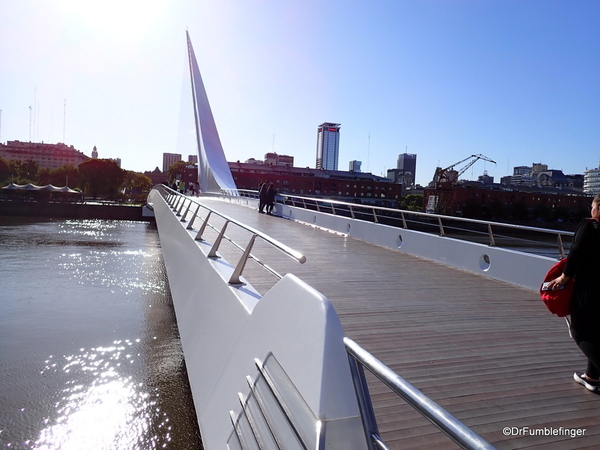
486, 351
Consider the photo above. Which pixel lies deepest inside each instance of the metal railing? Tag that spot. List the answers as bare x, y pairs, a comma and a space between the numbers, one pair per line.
542, 241
359, 358
182, 205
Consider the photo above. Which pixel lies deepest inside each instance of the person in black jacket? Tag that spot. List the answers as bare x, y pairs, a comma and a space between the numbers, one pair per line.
583, 264
271, 193
262, 196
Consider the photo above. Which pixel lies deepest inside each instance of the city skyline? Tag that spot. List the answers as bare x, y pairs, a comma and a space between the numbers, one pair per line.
514, 81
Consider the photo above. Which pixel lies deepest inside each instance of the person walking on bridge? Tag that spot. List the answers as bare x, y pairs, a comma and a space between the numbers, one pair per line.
262, 196
583, 264
271, 193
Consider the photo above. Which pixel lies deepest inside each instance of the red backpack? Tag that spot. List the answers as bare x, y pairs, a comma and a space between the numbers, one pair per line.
558, 302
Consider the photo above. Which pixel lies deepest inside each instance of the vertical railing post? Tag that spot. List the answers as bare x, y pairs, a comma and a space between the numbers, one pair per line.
186, 211
492, 240
375, 216
181, 207
442, 233
203, 227
364, 400
352, 212
191, 224
237, 273
215, 247
404, 225
176, 203
561, 248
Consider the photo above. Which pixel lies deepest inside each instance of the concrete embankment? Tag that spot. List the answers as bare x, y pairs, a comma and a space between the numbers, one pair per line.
83, 210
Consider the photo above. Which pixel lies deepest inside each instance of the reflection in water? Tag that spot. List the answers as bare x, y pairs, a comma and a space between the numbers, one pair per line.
90, 356
100, 407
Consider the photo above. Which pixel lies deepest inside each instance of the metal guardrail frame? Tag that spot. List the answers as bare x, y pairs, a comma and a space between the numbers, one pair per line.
358, 358
376, 213
177, 202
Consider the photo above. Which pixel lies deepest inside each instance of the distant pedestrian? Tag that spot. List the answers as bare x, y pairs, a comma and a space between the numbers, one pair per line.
181, 186
271, 193
262, 196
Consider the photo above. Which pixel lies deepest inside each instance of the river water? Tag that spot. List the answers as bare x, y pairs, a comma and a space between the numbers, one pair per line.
90, 356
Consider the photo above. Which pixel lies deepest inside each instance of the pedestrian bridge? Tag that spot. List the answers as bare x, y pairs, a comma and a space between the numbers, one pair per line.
477, 343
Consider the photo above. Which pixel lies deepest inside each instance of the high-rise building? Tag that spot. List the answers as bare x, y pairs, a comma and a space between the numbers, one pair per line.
355, 166
407, 169
591, 181
169, 159
328, 146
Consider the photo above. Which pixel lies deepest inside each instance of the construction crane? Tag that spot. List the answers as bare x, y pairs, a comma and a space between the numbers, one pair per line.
445, 179
448, 177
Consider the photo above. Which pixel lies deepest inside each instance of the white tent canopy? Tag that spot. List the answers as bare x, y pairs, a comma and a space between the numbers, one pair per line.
33, 187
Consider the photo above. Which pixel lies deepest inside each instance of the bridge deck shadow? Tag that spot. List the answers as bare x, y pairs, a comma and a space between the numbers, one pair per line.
486, 351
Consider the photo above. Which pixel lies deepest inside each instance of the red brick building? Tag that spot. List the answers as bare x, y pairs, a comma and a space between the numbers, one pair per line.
347, 186
456, 200
355, 187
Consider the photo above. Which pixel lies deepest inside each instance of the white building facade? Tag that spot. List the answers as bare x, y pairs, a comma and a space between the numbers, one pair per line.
591, 181
328, 146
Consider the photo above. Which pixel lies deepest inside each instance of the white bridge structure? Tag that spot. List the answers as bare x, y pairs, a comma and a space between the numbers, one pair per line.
450, 302
276, 369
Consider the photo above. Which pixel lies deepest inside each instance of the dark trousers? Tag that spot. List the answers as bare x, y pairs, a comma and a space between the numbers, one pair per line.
592, 352
585, 329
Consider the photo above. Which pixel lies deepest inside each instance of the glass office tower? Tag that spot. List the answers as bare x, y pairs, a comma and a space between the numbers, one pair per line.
407, 169
328, 146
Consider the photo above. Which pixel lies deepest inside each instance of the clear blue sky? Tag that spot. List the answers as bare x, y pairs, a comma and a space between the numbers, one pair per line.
515, 80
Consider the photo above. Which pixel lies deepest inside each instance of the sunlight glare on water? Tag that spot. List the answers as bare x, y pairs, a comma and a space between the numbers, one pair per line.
90, 356
100, 408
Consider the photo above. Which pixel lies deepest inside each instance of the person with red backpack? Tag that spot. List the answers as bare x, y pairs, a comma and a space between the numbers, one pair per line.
583, 265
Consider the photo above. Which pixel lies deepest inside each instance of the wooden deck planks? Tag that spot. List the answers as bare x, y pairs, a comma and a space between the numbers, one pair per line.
486, 351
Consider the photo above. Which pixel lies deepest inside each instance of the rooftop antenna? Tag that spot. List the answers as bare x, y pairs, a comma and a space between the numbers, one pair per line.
64, 119
369, 152
29, 123
34, 111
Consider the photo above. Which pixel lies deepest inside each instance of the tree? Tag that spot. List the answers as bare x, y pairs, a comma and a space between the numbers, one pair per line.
24, 171
137, 182
414, 202
43, 177
176, 170
29, 169
101, 177
67, 175
4, 170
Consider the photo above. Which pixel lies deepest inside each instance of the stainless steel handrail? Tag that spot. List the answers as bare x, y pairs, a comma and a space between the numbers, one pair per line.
452, 427
375, 214
177, 202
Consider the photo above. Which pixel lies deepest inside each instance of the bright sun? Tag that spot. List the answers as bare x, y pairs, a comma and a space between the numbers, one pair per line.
116, 18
